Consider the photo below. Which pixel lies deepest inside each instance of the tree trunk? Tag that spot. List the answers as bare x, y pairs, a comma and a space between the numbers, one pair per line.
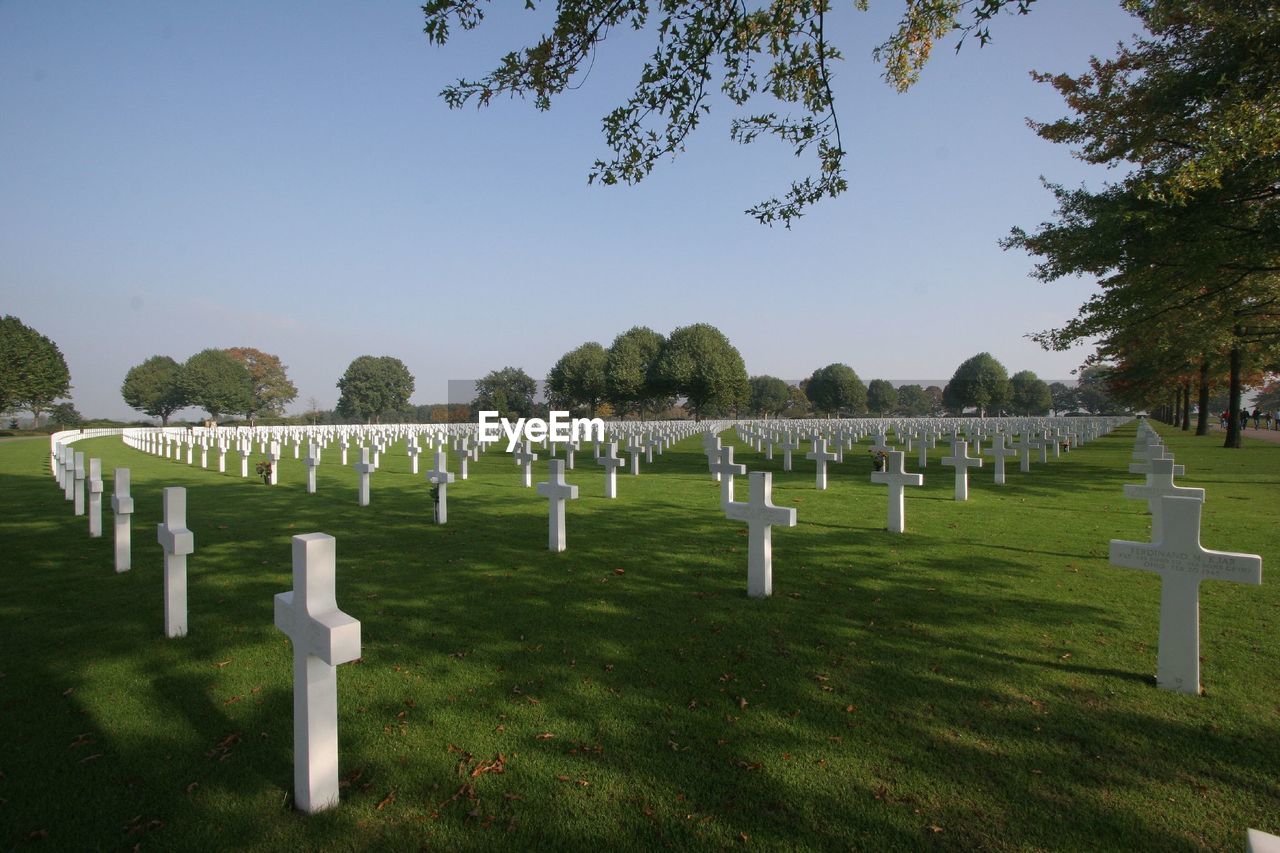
1186, 405
1202, 422
1233, 408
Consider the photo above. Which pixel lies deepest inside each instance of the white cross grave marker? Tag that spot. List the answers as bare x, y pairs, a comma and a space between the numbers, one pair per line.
323, 637
525, 457
895, 477
313, 462
962, 462
177, 542
821, 457
556, 491
609, 459
1160, 483
78, 472
122, 508
1000, 452
95, 498
441, 478
1182, 563
760, 515
364, 468
726, 469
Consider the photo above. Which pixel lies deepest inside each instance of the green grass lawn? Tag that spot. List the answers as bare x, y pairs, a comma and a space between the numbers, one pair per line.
984, 680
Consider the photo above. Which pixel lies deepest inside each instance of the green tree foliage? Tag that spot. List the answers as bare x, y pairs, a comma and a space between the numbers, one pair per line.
272, 390
837, 390
882, 397
65, 415
1093, 394
373, 386
698, 363
154, 388
630, 371
798, 403
772, 60
509, 392
1063, 398
216, 382
769, 397
980, 382
1028, 394
33, 372
1187, 244
913, 401
578, 378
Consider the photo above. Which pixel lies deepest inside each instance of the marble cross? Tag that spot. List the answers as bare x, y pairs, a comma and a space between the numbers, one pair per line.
760, 515
1000, 452
122, 509
177, 542
556, 491
895, 477
609, 459
1182, 563
323, 637
525, 457
726, 469
78, 472
95, 498
313, 462
962, 462
441, 478
364, 468
821, 457
1159, 484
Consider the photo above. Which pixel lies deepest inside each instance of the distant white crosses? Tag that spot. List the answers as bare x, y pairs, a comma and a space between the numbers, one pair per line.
364, 468
760, 515
726, 469
821, 457
569, 451
711, 447
69, 473
1022, 446
962, 462
463, 454
556, 491
895, 477
95, 498
323, 637
1000, 452
1160, 484
177, 542
313, 462
525, 457
246, 448
609, 459
122, 509
1182, 563
440, 478
78, 473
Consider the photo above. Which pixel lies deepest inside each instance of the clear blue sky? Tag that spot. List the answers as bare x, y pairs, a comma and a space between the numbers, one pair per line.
177, 176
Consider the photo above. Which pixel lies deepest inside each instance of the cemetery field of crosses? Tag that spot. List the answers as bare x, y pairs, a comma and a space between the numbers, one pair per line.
1018, 633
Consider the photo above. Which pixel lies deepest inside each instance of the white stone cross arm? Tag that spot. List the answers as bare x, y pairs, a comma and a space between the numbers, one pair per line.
323, 637
1182, 564
760, 515
173, 534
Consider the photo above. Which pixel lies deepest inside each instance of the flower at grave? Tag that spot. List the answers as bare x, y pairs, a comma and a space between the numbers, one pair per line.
264, 470
878, 460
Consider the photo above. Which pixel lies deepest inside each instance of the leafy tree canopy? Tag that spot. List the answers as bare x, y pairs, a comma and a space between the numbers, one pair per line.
372, 386
509, 392
882, 397
630, 372
913, 401
33, 372
698, 363
65, 415
154, 387
1028, 394
578, 378
773, 60
836, 389
1064, 397
272, 390
980, 382
769, 396
215, 381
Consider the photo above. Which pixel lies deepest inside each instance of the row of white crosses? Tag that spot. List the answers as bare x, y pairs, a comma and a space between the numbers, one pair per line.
1175, 553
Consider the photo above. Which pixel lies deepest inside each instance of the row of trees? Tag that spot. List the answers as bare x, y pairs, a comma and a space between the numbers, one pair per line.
1186, 246
33, 371
240, 380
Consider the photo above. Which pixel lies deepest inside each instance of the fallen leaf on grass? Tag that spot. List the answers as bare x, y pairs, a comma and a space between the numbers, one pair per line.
498, 764
545, 736
619, 571
89, 758
191, 787
387, 800
221, 664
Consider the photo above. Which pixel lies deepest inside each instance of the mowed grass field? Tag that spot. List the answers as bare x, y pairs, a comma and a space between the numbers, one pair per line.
984, 680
